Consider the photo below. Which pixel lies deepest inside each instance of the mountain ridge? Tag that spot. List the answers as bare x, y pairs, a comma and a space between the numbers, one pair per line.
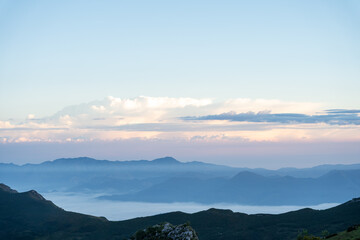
251, 189
169, 180
169, 159
23, 217
88, 162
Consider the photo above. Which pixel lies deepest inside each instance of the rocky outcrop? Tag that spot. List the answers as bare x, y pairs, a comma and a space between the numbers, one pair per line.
35, 195
166, 231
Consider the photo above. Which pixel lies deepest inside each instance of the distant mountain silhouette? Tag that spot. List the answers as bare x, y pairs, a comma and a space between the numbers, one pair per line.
252, 189
29, 216
166, 160
92, 161
168, 180
88, 174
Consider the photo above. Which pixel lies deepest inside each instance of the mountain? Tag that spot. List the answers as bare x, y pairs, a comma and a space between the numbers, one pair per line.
29, 216
166, 160
252, 189
88, 174
312, 172
168, 180
86, 163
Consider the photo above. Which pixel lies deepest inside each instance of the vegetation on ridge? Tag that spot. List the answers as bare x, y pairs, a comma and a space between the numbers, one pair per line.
29, 216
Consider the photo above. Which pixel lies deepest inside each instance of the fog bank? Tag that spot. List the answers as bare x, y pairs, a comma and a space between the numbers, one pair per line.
117, 210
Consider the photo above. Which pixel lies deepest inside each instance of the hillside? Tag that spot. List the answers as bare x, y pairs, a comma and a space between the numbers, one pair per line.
28, 215
352, 233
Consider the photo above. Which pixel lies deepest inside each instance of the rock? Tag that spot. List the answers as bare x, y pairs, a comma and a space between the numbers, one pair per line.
166, 231
35, 195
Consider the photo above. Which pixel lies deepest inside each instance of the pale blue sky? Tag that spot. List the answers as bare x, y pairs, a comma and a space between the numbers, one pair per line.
59, 53
216, 79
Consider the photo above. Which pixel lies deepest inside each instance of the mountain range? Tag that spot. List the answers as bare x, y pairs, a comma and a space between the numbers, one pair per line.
169, 180
253, 189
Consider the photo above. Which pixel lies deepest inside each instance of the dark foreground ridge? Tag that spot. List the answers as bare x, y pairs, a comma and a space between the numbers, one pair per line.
29, 216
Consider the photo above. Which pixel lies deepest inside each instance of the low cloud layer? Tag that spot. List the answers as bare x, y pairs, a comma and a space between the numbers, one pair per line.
186, 119
334, 111
331, 117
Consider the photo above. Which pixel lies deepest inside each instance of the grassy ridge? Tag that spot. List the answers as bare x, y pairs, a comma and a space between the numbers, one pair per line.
347, 235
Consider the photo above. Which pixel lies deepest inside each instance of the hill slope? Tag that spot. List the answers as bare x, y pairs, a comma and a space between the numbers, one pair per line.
28, 215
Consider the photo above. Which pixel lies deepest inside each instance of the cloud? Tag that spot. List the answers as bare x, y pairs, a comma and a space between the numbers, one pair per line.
335, 111
31, 116
6, 125
179, 127
134, 106
161, 108
338, 117
168, 118
273, 105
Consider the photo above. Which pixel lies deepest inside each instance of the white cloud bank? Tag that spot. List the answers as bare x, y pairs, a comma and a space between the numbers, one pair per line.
165, 118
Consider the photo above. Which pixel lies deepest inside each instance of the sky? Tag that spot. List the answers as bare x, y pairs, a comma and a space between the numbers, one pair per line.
244, 83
